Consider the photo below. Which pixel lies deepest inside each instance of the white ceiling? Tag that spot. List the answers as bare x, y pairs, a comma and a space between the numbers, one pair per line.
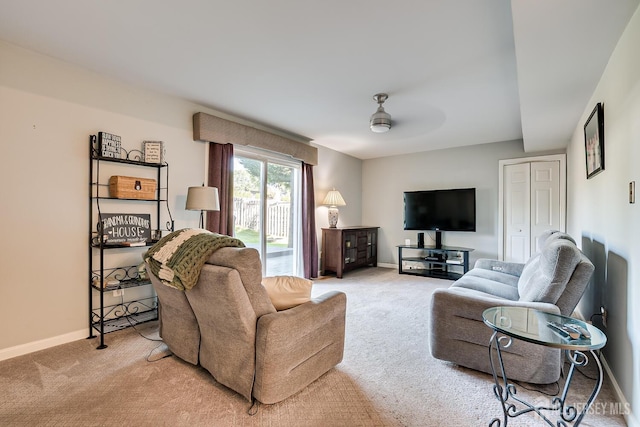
458, 73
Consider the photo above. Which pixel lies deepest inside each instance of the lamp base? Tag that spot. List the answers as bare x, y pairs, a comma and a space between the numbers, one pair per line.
333, 217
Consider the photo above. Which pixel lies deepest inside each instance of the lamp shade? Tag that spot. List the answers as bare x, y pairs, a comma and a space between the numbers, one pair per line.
334, 198
203, 199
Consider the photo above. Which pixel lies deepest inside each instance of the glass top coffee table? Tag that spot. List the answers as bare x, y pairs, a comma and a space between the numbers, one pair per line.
575, 337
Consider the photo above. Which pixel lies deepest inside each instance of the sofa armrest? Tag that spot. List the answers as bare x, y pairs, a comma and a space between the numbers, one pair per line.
512, 268
469, 303
294, 347
297, 322
458, 334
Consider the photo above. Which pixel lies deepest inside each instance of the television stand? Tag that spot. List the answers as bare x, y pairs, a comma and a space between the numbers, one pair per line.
445, 262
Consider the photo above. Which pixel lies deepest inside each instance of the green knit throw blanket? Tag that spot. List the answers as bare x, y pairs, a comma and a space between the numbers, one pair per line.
178, 257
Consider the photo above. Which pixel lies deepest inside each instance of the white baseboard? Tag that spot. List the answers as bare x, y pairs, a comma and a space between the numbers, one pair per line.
385, 265
20, 350
629, 417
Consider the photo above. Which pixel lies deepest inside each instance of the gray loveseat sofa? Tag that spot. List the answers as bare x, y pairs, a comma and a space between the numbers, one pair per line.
553, 280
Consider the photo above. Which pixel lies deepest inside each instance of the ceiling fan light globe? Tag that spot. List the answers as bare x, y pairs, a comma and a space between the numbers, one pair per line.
380, 128
380, 121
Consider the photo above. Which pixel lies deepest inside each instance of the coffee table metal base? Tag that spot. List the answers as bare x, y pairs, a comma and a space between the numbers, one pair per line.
506, 392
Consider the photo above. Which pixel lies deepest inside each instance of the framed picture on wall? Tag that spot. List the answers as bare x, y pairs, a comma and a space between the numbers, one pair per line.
594, 141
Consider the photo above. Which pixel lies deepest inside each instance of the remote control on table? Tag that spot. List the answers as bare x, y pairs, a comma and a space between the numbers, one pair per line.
565, 331
583, 331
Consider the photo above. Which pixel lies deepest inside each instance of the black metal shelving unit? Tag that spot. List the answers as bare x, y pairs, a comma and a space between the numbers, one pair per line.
104, 319
441, 263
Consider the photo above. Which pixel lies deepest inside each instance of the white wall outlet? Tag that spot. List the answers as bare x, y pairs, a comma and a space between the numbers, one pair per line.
118, 292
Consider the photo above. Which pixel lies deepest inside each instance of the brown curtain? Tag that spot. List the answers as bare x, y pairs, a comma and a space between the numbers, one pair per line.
309, 239
221, 177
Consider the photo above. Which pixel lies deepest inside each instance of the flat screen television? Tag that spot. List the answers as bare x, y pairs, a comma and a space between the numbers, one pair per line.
441, 210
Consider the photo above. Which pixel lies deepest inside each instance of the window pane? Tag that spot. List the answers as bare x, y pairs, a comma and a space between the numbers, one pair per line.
246, 201
280, 220
266, 211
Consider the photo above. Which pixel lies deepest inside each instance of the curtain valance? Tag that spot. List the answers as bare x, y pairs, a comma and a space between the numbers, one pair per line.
207, 127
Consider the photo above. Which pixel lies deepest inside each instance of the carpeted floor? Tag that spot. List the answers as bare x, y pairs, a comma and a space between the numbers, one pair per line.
387, 377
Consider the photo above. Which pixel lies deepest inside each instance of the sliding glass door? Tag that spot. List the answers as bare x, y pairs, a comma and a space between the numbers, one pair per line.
266, 209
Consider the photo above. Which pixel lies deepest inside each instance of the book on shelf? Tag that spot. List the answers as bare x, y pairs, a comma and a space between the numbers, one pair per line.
143, 243
454, 261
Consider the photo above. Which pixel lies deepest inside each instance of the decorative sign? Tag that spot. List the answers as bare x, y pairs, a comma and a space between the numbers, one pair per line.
109, 145
126, 229
153, 151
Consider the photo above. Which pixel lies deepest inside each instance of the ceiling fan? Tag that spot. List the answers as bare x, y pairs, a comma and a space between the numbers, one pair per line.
380, 121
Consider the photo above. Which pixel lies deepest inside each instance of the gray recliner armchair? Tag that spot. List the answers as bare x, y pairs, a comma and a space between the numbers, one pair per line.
227, 324
553, 280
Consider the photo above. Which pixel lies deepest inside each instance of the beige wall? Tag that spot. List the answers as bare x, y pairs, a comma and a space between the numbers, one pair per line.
385, 179
48, 109
345, 174
599, 212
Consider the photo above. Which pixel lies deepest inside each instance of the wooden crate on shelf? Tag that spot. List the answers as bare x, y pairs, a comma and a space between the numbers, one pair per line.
128, 187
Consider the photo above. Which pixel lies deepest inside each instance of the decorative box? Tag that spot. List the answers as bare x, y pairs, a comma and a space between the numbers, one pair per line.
128, 187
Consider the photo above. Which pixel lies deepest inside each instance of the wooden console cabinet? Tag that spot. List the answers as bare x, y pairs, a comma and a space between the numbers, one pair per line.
348, 248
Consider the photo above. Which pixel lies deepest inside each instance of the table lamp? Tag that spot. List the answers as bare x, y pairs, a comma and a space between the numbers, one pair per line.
202, 199
333, 200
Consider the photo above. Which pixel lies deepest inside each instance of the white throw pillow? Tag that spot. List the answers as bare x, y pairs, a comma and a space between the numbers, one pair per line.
287, 291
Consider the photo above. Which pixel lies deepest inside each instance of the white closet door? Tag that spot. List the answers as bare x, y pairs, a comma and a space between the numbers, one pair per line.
545, 199
517, 212
532, 193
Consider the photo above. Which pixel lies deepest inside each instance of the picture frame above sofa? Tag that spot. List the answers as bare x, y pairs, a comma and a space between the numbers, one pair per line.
594, 141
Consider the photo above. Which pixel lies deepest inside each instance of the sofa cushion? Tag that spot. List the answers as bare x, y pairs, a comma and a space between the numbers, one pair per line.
496, 276
490, 282
287, 291
546, 274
